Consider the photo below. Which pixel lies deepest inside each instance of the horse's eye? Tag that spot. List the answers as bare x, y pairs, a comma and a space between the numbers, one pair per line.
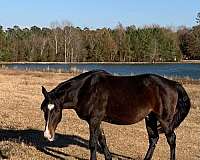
44, 109
57, 109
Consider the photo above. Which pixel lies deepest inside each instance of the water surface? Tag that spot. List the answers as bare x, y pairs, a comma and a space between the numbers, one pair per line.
171, 69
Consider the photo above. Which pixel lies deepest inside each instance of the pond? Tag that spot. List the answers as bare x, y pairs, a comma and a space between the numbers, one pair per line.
188, 70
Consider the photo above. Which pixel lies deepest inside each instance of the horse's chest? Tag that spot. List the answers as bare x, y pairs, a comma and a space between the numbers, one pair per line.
83, 114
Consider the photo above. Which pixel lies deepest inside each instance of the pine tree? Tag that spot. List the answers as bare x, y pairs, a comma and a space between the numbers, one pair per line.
198, 18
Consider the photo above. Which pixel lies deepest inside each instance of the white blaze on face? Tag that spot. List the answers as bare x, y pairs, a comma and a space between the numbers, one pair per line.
50, 106
47, 132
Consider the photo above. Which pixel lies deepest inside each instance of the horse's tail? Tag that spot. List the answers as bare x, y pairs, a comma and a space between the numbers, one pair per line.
182, 108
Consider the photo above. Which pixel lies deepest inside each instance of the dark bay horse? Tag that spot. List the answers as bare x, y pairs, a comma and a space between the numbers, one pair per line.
98, 96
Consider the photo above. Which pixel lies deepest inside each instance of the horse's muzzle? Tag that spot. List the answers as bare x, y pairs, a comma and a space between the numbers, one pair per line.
48, 135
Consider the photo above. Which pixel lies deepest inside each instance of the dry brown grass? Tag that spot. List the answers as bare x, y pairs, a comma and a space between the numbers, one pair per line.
21, 125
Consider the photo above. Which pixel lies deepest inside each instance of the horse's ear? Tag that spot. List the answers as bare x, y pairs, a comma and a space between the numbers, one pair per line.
45, 93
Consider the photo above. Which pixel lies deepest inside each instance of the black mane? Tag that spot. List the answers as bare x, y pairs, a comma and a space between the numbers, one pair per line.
60, 88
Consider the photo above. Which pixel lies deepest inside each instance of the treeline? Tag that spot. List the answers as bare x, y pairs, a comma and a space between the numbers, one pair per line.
65, 43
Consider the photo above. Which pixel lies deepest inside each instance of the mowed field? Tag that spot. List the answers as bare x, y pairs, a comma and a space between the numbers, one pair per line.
22, 125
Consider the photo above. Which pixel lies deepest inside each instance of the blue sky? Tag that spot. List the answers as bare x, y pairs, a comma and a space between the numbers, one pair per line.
98, 13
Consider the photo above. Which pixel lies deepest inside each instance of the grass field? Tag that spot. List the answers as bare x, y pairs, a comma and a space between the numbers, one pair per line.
22, 125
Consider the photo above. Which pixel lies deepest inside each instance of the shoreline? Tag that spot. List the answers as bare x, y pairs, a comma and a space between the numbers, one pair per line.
180, 62
8, 71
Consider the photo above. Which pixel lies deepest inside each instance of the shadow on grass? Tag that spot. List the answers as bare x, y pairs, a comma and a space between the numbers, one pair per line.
2, 156
35, 138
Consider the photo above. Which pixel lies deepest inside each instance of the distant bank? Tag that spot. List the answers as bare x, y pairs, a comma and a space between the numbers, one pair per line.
183, 61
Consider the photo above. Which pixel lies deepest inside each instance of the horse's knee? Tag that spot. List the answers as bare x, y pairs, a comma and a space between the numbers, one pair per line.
153, 140
91, 144
102, 140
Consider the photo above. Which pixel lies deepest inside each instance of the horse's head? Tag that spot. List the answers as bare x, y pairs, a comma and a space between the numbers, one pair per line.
52, 114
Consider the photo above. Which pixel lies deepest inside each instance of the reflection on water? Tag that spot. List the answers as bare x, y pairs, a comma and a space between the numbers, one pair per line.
174, 69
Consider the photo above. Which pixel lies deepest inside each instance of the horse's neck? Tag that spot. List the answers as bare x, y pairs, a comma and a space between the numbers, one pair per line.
71, 96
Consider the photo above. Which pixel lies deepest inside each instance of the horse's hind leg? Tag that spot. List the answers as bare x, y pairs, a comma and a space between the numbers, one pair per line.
151, 125
104, 147
171, 139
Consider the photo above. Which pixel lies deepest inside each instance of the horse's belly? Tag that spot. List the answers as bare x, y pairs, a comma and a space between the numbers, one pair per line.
126, 115
123, 119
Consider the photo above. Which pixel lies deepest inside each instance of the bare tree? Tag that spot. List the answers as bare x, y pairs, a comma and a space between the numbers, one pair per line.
121, 41
54, 26
68, 50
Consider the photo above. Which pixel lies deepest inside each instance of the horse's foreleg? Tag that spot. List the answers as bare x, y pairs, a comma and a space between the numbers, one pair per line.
102, 142
151, 125
94, 127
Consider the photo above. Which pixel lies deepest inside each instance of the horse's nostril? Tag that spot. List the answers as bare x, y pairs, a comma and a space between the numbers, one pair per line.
51, 139
47, 134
